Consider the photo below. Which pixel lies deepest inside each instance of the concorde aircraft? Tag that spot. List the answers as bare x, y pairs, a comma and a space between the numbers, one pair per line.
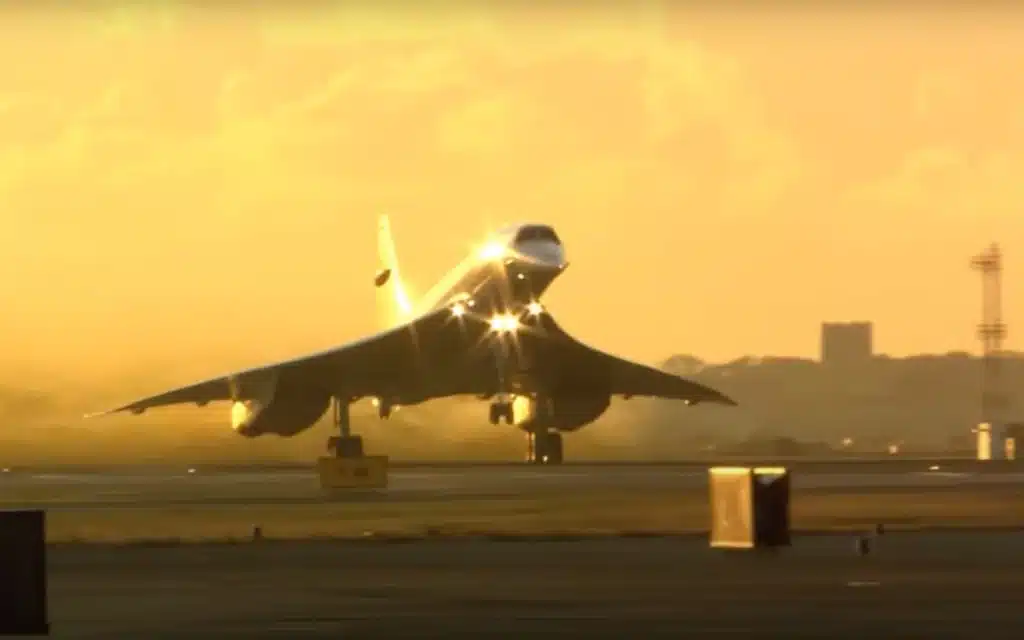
480, 331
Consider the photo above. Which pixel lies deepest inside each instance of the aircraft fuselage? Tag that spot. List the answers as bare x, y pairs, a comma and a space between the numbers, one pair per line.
506, 275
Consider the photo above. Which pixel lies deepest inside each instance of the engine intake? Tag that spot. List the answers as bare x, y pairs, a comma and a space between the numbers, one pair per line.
289, 412
560, 413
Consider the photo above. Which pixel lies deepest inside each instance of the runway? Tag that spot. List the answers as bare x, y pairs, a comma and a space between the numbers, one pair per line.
212, 488
202, 504
288, 584
962, 585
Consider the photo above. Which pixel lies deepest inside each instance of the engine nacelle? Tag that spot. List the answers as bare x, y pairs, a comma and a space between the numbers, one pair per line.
562, 413
288, 412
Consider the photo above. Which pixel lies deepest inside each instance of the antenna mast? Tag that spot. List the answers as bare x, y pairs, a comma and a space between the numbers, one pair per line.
992, 333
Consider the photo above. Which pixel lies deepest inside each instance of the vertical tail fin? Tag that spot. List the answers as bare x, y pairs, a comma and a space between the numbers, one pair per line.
393, 299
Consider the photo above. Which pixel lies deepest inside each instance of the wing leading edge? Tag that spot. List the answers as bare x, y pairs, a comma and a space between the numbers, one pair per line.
438, 355
569, 364
369, 366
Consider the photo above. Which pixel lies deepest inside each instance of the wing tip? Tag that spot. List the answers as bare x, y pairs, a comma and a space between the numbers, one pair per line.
717, 397
110, 412
105, 412
723, 399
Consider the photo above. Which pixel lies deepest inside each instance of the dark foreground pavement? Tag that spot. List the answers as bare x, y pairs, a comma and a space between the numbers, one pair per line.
941, 585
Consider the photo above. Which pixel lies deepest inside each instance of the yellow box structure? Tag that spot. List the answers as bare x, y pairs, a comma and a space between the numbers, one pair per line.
749, 507
984, 441
365, 472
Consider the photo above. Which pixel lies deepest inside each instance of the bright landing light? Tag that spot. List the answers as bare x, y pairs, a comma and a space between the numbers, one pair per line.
504, 322
492, 251
458, 309
535, 308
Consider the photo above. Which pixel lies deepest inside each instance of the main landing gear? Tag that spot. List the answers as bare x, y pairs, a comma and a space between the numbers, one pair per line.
348, 467
544, 447
344, 444
501, 410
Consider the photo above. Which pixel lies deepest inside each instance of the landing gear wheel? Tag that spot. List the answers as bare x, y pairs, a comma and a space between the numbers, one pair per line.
499, 410
345, 446
554, 445
544, 448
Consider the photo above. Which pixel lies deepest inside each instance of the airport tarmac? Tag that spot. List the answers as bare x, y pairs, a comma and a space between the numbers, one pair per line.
951, 585
207, 505
212, 488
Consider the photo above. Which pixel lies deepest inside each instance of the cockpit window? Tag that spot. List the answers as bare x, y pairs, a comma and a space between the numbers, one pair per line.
537, 233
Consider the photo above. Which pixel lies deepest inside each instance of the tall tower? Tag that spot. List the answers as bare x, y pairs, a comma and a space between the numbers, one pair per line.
991, 332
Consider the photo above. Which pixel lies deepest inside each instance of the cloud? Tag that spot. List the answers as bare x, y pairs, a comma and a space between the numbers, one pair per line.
362, 25
222, 156
486, 125
459, 83
135, 20
946, 182
940, 92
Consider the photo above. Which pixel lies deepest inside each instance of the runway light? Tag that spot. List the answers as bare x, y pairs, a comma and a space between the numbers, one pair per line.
535, 308
504, 322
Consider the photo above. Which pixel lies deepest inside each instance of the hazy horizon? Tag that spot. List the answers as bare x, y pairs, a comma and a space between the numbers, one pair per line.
189, 190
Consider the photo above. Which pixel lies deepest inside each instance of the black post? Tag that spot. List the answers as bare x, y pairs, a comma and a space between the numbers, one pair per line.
23, 601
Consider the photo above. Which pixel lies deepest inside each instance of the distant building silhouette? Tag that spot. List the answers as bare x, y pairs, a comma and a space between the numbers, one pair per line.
846, 343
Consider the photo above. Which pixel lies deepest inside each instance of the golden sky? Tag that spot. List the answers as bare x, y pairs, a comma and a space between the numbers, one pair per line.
197, 189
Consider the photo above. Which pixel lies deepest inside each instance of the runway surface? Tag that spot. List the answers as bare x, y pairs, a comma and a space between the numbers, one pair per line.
212, 488
932, 586
938, 585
